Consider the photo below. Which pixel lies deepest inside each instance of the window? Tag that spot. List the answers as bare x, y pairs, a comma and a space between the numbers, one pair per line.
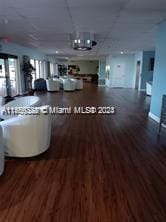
39, 69
51, 69
8, 75
32, 61
45, 69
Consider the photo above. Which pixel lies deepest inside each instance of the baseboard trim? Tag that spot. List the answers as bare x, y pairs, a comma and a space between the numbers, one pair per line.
154, 117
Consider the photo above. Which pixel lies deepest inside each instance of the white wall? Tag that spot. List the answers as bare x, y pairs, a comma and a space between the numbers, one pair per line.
138, 57
108, 63
127, 62
86, 67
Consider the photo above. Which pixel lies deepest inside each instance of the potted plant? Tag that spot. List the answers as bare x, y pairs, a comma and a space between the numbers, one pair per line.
62, 70
28, 69
77, 69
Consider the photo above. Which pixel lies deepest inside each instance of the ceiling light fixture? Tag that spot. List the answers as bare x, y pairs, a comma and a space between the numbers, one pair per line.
83, 41
56, 52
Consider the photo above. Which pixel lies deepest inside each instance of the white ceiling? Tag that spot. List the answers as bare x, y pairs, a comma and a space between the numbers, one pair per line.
119, 25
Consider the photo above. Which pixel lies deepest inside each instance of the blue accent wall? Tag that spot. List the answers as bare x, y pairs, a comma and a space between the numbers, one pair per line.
102, 69
159, 78
146, 74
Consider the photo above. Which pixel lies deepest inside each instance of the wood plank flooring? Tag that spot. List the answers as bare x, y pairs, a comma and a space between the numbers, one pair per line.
99, 168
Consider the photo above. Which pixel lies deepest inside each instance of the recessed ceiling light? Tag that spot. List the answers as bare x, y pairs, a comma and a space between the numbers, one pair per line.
121, 53
56, 52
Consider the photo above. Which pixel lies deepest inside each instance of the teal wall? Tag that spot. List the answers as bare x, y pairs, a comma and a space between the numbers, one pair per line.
102, 69
159, 78
146, 74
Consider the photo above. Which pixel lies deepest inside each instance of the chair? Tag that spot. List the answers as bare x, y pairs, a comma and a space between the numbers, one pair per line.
25, 101
69, 85
1, 153
1, 100
61, 82
26, 136
61, 79
53, 85
79, 84
149, 88
40, 84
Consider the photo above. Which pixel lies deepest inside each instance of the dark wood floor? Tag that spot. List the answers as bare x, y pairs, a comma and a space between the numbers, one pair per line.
99, 168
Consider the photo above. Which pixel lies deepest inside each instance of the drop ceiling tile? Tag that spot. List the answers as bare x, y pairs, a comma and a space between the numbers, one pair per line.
148, 4
98, 3
141, 17
47, 24
35, 3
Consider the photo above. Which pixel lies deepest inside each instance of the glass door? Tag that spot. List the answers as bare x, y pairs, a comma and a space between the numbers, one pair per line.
12, 75
37, 66
8, 75
2, 78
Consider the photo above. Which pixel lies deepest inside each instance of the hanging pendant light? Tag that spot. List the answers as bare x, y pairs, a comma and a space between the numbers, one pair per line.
83, 41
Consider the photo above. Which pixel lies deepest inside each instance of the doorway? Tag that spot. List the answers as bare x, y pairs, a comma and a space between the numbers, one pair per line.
118, 79
138, 73
8, 75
